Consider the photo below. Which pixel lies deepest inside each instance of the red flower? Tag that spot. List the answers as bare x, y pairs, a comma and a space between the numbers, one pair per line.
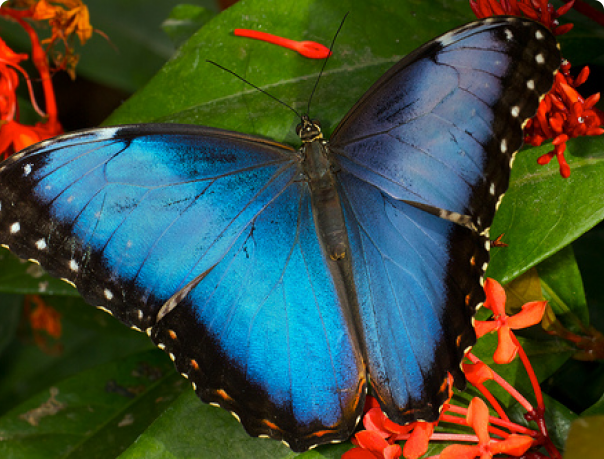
564, 114
478, 419
538, 10
531, 314
15, 136
9, 80
371, 445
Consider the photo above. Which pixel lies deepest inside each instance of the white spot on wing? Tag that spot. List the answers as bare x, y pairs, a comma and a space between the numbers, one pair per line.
515, 111
73, 265
41, 244
504, 146
108, 294
15, 227
27, 169
539, 58
530, 84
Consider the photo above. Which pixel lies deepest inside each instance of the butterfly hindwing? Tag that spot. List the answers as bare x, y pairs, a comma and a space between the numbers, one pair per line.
437, 132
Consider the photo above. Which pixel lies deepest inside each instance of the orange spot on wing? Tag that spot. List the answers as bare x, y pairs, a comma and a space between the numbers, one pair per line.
222, 394
270, 425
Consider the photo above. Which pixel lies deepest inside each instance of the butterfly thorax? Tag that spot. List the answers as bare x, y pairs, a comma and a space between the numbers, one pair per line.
321, 180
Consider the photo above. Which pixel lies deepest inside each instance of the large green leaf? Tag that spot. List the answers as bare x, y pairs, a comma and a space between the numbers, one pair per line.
94, 413
541, 212
188, 89
89, 337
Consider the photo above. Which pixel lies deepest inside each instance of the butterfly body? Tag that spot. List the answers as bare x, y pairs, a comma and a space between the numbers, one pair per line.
283, 283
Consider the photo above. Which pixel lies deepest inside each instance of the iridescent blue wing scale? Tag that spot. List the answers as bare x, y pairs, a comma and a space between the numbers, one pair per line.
424, 160
203, 238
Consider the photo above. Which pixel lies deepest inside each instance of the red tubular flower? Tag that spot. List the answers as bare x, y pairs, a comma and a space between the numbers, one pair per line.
371, 445
564, 114
310, 49
538, 10
531, 314
15, 136
478, 419
9, 80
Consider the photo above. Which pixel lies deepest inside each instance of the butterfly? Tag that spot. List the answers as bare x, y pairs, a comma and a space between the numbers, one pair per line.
285, 283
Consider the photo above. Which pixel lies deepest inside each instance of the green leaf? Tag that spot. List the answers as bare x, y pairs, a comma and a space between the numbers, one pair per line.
207, 430
94, 413
364, 50
88, 337
596, 409
563, 288
184, 21
11, 312
541, 213
589, 250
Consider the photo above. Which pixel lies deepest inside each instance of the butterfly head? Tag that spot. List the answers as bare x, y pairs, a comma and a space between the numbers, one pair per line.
309, 130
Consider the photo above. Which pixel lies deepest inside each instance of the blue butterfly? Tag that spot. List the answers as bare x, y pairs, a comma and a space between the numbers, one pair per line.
285, 283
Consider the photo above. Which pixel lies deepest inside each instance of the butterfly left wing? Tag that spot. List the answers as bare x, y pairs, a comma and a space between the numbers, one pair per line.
203, 238
424, 158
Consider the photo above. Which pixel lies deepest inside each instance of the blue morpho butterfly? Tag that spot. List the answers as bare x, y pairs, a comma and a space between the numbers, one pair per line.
283, 283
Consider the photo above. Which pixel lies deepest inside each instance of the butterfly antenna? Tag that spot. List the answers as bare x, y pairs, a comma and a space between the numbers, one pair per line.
255, 87
333, 42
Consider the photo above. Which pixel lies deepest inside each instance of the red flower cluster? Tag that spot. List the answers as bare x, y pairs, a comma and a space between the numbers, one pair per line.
379, 439
537, 10
563, 113
15, 136
67, 18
